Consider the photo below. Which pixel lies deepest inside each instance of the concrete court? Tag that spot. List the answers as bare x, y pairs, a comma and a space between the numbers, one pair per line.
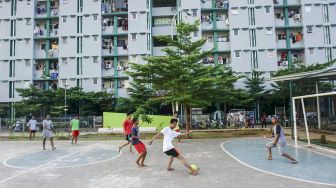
218, 169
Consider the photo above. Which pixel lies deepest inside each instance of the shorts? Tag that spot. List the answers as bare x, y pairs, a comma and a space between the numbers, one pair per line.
33, 131
140, 147
128, 137
47, 134
75, 133
281, 148
172, 152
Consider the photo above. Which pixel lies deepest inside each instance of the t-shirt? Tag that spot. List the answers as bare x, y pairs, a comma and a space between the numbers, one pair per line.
277, 129
32, 124
47, 125
128, 124
241, 118
168, 137
135, 132
75, 124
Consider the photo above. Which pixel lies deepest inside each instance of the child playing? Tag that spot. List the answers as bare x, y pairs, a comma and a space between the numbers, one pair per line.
127, 126
74, 127
139, 146
279, 141
168, 148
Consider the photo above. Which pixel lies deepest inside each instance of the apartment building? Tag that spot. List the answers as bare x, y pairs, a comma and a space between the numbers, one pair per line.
90, 43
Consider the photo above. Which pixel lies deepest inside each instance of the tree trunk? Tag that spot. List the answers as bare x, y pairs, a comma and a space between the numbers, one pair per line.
187, 117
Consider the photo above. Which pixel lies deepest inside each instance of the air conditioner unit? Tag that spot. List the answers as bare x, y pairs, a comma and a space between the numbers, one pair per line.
297, 16
108, 65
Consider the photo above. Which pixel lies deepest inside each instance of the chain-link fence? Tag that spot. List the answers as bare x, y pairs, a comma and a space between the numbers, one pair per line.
61, 124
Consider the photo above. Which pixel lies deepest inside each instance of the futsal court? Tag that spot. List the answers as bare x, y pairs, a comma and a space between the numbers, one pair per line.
230, 163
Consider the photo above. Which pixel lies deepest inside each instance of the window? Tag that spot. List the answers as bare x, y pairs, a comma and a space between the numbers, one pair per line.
158, 43
250, 1
268, 10
95, 38
269, 31
64, 61
165, 3
148, 41
308, 8
95, 81
43, 46
254, 59
65, 1
209, 39
235, 32
95, 59
11, 89
194, 12
11, 68
195, 33
311, 51
251, 16
309, 29
27, 63
325, 12
28, 22
134, 36
27, 41
328, 54
237, 54
253, 38
64, 19
234, 11
326, 34
133, 15
95, 18
270, 53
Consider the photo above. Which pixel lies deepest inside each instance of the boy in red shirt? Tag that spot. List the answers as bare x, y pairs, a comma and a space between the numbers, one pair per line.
127, 126
139, 146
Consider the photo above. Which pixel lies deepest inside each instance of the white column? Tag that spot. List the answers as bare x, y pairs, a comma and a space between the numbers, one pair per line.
305, 120
294, 121
318, 107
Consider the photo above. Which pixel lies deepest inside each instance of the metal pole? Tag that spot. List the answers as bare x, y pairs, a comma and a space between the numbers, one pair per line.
65, 101
305, 120
318, 107
294, 121
94, 123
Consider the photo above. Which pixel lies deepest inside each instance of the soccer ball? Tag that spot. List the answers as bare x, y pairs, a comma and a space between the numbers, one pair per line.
194, 168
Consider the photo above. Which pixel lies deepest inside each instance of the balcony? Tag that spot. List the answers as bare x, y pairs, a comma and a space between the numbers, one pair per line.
207, 25
295, 22
223, 24
208, 46
123, 51
281, 44
298, 44
279, 22
38, 74
290, 3
111, 7
223, 46
108, 52
40, 54
164, 11
107, 30
53, 53
206, 4
39, 33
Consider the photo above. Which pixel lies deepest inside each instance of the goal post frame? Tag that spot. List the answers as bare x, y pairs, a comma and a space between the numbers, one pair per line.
304, 113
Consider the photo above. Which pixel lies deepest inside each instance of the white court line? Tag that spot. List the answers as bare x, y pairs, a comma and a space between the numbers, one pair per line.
267, 172
59, 158
301, 147
42, 165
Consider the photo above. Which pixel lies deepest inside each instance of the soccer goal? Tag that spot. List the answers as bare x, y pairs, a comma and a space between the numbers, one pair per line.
313, 114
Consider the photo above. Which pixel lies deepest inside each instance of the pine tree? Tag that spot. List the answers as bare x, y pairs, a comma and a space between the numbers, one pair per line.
180, 76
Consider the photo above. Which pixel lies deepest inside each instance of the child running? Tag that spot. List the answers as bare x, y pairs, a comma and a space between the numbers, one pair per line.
74, 126
168, 136
279, 141
127, 126
139, 146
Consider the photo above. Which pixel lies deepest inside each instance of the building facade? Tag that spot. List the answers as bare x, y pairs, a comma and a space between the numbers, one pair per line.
90, 43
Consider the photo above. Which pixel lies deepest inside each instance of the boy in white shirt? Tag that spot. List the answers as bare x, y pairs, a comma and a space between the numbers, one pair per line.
279, 141
168, 136
47, 132
32, 127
